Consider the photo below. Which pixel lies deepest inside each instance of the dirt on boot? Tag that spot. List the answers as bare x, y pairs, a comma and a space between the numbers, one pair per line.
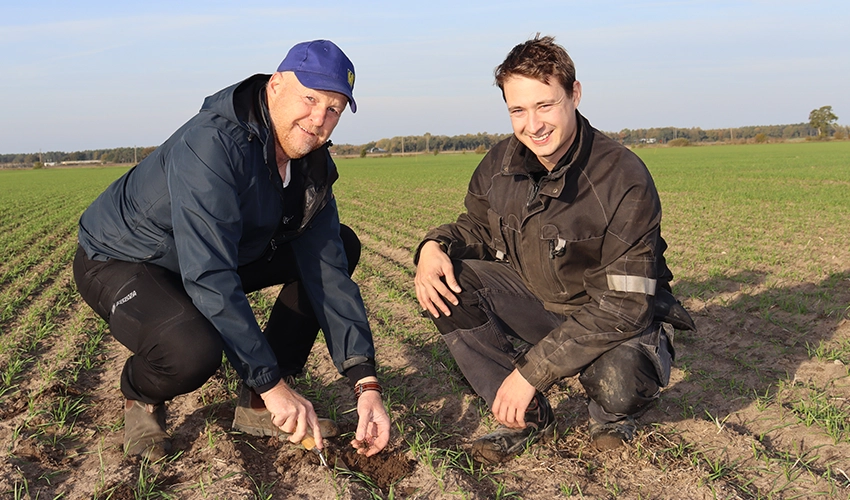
606, 437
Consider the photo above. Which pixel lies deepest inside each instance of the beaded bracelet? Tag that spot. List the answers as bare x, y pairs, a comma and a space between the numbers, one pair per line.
367, 386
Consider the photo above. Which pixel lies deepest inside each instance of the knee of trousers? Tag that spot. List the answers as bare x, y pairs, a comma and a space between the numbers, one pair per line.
352, 246
207, 361
468, 313
180, 367
622, 381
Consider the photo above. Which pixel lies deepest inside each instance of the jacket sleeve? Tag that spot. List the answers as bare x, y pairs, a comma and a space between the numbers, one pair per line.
469, 237
621, 290
203, 180
335, 298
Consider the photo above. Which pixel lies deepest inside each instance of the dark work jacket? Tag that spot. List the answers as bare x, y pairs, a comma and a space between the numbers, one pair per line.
585, 240
210, 200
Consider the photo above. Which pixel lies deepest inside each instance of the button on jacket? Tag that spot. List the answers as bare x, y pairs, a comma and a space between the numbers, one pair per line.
585, 239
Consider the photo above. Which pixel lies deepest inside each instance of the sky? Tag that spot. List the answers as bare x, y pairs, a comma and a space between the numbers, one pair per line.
95, 75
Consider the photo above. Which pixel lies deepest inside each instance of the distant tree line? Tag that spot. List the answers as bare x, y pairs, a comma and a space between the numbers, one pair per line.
756, 134
48, 158
822, 125
763, 133
426, 143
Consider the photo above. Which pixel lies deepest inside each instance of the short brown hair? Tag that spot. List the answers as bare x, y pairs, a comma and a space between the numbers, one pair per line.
539, 58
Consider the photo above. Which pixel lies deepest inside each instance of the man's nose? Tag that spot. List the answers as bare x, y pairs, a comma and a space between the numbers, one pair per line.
534, 123
318, 116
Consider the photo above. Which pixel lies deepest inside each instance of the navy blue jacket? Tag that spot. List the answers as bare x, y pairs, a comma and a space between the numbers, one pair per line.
210, 200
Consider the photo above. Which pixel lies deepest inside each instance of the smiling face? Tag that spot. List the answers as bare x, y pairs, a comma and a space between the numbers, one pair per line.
543, 116
302, 118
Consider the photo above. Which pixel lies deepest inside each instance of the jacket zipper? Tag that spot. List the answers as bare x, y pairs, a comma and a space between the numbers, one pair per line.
272, 244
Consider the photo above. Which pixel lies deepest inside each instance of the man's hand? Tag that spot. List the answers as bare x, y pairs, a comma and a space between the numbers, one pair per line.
373, 426
512, 400
430, 288
292, 413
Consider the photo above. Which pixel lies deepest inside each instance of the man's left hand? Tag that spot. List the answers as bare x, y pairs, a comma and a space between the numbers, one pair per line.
512, 400
373, 426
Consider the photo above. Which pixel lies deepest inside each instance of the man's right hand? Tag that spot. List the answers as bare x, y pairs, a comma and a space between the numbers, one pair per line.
292, 413
433, 265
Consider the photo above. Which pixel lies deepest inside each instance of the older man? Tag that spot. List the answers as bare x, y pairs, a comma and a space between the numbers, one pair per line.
238, 199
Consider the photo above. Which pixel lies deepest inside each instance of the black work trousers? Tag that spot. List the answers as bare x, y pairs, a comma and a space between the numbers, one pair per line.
495, 305
175, 348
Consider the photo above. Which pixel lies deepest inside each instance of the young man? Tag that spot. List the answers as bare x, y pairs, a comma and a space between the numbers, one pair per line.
238, 199
559, 248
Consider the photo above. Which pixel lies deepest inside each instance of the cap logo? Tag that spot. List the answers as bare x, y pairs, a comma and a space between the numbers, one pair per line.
350, 78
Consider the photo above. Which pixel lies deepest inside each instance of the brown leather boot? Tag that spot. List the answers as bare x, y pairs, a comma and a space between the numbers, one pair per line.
253, 418
606, 437
505, 443
144, 430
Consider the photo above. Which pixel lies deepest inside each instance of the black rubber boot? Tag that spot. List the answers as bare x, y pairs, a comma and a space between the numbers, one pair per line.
144, 430
505, 443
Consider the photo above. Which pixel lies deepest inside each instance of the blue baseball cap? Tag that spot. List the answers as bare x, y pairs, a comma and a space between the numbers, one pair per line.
321, 65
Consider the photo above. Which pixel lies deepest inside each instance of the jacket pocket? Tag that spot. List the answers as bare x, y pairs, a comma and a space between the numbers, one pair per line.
657, 343
497, 239
554, 248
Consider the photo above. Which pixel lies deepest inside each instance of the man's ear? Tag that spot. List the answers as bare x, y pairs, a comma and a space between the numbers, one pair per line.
275, 83
576, 93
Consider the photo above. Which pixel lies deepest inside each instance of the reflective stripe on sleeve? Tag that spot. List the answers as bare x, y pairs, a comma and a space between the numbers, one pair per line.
635, 284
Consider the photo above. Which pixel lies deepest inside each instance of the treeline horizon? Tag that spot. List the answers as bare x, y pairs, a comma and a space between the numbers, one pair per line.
428, 143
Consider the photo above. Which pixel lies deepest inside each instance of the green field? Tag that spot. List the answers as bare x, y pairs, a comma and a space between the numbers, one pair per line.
757, 406
726, 208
